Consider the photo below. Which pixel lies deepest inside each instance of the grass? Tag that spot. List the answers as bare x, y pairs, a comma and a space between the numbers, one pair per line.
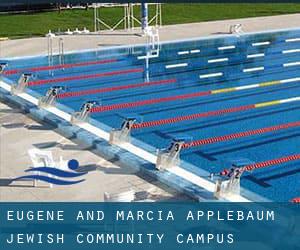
38, 24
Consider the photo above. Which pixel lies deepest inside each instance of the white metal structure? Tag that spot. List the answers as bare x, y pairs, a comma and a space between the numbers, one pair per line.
50, 37
168, 158
61, 51
125, 20
227, 188
83, 114
50, 97
122, 135
152, 37
129, 20
236, 29
2, 67
21, 85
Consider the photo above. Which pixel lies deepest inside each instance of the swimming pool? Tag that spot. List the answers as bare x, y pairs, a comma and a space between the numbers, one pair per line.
232, 99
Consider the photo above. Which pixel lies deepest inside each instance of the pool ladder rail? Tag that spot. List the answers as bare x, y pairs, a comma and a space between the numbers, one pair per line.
61, 53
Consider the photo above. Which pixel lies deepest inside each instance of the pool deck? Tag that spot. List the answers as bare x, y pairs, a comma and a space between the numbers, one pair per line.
37, 46
18, 133
106, 176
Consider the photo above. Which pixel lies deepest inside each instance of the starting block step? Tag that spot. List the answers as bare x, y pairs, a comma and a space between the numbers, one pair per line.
122, 135
170, 156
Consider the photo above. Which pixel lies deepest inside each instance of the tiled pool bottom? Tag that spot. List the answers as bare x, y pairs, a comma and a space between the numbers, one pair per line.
200, 89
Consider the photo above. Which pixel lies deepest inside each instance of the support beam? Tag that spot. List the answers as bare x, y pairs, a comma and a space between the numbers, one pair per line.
144, 16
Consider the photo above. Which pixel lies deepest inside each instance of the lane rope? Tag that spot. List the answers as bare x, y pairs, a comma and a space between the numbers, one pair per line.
160, 122
296, 200
188, 96
263, 164
111, 89
80, 77
269, 163
65, 66
240, 135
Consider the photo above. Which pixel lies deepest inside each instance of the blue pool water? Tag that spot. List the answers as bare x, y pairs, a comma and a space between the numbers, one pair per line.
237, 61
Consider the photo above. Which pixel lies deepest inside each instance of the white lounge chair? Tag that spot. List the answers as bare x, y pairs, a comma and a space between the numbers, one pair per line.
43, 158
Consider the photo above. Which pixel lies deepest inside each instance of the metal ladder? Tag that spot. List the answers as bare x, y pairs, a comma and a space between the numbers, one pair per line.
153, 47
61, 52
50, 53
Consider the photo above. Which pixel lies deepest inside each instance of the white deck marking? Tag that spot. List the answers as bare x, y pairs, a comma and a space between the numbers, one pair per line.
59, 113
261, 43
256, 55
94, 130
211, 75
178, 65
195, 179
5, 86
226, 47
290, 51
139, 152
291, 64
292, 40
218, 60
29, 98
253, 69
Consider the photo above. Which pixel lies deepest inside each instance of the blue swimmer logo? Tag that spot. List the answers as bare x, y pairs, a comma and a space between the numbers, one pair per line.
62, 174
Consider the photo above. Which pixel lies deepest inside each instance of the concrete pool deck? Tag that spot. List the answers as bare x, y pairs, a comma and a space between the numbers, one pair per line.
38, 45
19, 133
108, 177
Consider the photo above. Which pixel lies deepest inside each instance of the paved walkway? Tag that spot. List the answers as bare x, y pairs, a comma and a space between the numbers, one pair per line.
35, 46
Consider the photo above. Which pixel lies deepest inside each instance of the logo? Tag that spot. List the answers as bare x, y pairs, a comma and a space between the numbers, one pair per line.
55, 175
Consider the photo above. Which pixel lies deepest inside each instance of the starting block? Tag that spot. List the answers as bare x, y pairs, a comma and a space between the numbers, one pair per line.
50, 97
22, 84
3, 65
227, 188
84, 113
230, 186
170, 157
236, 29
122, 135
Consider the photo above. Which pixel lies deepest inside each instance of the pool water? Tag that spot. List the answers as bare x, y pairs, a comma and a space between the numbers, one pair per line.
193, 77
